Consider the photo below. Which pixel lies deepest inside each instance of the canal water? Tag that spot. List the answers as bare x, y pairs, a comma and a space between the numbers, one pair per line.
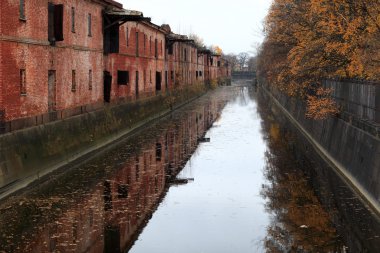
226, 173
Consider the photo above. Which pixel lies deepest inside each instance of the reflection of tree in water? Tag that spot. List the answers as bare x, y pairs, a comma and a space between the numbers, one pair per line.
299, 222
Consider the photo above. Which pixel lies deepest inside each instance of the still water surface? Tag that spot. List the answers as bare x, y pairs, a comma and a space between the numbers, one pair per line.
226, 173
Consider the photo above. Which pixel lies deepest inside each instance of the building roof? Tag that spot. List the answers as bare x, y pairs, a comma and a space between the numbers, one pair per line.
112, 3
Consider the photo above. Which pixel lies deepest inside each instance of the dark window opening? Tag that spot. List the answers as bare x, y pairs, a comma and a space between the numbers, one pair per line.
166, 79
55, 23
111, 40
158, 151
158, 81
196, 75
22, 82
200, 73
89, 25
127, 36
172, 75
150, 45
218, 63
90, 79
22, 10
137, 84
107, 86
185, 55
73, 19
144, 42
212, 61
170, 49
107, 196
156, 48
122, 77
73, 81
122, 191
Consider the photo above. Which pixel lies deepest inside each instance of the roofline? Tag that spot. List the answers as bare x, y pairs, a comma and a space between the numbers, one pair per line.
109, 3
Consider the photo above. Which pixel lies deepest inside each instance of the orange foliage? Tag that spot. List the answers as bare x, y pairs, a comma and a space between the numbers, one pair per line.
311, 40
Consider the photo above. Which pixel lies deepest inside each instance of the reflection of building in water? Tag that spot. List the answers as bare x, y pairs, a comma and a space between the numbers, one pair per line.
109, 216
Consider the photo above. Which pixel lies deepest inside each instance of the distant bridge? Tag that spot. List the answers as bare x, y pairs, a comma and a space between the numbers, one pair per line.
243, 75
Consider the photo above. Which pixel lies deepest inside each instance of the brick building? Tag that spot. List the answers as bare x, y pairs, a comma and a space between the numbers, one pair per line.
61, 58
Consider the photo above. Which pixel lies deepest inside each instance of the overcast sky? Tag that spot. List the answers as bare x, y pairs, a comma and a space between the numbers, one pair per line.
235, 25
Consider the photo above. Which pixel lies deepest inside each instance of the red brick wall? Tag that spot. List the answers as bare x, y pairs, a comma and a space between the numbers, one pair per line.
145, 63
25, 45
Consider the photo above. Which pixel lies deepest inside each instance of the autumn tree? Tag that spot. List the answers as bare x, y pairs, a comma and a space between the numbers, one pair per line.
311, 40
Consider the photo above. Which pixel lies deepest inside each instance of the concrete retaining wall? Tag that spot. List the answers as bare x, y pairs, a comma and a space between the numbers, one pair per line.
28, 154
355, 151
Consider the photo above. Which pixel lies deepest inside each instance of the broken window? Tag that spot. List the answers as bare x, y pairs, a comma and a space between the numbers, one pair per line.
122, 77
73, 81
22, 82
89, 25
22, 10
55, 23
73, 19
90, 79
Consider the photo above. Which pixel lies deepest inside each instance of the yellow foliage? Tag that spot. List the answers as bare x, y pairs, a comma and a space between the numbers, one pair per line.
311, 40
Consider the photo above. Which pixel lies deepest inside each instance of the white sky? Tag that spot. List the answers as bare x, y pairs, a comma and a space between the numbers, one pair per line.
235, 26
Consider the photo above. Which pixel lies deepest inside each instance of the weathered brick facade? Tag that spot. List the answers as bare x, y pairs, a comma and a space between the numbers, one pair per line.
55, 60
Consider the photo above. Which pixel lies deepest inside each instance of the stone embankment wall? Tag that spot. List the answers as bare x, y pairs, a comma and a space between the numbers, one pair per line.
31, 153
351, 140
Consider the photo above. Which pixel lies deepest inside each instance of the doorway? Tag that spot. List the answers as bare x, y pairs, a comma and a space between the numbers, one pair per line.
107, 86
158, 81
137, 84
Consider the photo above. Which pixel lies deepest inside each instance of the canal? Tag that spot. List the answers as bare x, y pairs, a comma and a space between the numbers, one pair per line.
225, 173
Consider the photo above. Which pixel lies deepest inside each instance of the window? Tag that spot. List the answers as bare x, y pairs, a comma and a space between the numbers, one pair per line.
73, 19
218, 63
150, 45
144, 43
156, 48
158, 152
122, 77
89, 24
185, 55
90, 79
122, 191
22, 10
196, 75
170, 49
73, 81
172, 75
22, 82
55, 23
137, 43
200, 73
127, 37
